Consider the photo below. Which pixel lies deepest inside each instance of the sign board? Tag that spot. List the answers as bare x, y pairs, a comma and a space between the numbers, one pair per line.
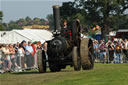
36, 27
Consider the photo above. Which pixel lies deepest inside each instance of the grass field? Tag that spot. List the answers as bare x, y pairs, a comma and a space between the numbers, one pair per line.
102, 74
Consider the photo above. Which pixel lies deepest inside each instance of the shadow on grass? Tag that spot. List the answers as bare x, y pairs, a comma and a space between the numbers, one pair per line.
26, 72
37, 72
67, 70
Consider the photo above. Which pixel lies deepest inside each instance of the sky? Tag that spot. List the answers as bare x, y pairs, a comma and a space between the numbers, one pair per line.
16, 9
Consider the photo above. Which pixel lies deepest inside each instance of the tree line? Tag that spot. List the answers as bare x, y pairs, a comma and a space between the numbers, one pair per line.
108, 14
1, 15
27, 21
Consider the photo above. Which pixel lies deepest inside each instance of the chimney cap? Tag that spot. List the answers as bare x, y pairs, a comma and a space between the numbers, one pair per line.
56, 6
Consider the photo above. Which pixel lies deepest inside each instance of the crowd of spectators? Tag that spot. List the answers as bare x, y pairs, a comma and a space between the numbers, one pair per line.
111, 51
18, 57
22, 56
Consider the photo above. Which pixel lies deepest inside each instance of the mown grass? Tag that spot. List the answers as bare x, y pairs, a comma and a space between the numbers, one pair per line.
102, 74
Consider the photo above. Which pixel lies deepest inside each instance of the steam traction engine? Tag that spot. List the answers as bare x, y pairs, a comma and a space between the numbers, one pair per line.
63, 51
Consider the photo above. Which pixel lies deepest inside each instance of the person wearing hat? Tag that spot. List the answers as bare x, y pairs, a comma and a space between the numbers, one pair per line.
96, 49
103, 49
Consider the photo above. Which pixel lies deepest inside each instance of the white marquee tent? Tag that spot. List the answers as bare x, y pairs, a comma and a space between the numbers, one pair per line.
15, 36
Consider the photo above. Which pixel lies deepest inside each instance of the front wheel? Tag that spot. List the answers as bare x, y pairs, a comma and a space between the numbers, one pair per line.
76, 59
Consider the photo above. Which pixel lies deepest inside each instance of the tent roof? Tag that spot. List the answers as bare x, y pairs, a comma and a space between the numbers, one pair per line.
26, 34
123, 30
34, 34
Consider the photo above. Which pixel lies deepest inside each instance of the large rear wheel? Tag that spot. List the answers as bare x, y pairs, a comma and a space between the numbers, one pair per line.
41, 63
86, 53
76, 59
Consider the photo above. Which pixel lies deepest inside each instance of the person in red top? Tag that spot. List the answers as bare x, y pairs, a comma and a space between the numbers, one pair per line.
34, 47
66, 31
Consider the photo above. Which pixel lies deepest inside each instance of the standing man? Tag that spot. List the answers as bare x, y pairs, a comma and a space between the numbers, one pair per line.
29, 51
118, 53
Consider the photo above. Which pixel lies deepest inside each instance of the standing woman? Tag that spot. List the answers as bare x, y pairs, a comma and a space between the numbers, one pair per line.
103, 50
96, 49
7, 59
33, 54
34, 46
1, 61
111, 52
12, 56
21, 56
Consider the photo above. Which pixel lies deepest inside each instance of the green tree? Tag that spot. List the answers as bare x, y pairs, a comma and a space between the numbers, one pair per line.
36, 21
28, 18
107, 13
5, 26
69, 11
20, 22
80, 17
1, 27
42, 21
13, 25
1, 15
28, 21
122, 23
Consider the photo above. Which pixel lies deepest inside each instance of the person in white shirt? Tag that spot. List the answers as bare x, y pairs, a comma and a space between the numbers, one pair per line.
21, 56
28, 52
